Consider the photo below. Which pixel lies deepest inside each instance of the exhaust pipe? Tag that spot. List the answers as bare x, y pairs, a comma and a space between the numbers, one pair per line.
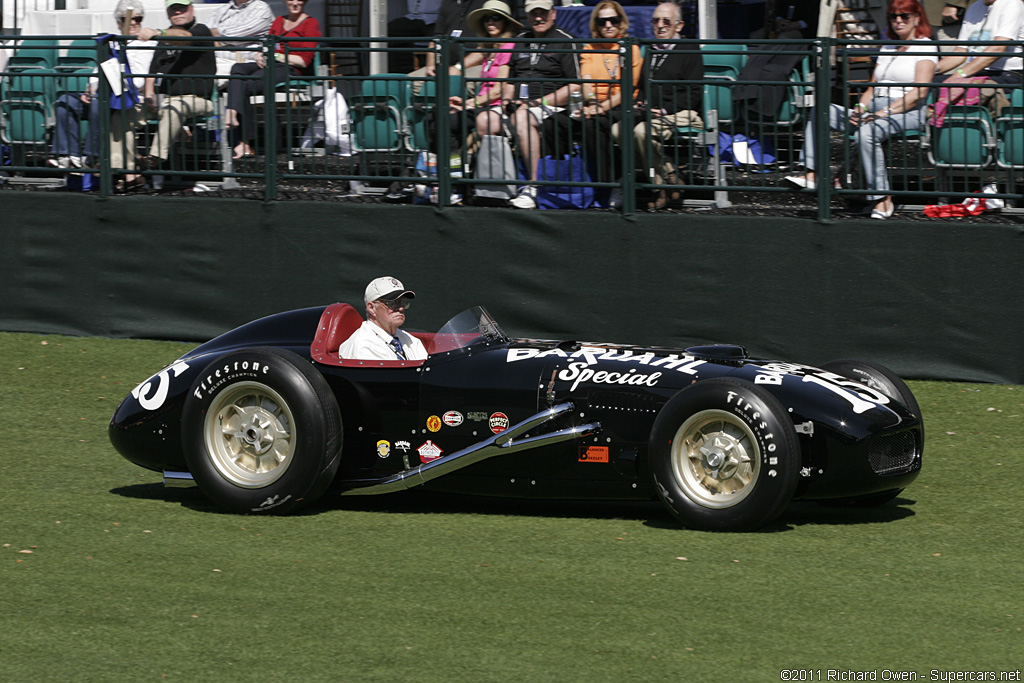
178, 480
500, 444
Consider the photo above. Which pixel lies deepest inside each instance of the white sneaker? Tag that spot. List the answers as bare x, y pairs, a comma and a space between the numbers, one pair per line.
801, 181
66, 162
527, 198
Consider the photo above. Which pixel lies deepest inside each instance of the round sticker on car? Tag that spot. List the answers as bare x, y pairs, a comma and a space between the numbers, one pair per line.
452, 418
498, 422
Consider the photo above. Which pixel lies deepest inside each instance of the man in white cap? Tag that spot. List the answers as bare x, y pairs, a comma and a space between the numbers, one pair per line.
379, 338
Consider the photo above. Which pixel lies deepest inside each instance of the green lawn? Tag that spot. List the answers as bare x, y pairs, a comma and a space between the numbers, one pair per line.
105, 575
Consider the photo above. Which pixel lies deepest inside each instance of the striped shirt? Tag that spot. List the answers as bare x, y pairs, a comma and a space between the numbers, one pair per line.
250, 19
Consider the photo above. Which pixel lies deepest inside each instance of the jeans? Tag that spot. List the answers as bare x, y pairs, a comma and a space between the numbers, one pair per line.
69, 112
868, 137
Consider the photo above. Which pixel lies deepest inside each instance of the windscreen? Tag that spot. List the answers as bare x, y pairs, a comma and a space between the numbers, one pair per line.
472, 326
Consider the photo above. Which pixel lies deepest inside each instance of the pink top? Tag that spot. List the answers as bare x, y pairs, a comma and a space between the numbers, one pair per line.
491, 68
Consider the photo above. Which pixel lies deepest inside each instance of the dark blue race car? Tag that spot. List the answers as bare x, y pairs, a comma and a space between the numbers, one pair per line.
267, 418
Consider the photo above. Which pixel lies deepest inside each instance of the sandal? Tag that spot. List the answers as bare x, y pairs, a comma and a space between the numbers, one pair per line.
666, 199
126, 186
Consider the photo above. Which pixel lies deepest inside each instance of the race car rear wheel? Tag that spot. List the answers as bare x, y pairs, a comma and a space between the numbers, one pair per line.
724, 456
262, 431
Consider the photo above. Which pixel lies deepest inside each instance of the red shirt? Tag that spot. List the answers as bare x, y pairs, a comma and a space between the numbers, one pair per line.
307, 28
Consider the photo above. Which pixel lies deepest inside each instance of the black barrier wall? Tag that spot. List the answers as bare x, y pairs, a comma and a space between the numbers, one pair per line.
931, 300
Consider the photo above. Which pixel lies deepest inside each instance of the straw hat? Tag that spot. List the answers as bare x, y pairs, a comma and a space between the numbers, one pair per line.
475, 20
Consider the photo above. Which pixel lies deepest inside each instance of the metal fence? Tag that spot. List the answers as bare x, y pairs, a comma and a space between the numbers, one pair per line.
403, 134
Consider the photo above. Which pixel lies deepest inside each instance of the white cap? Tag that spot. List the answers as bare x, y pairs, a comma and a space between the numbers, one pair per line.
542, 4
386, 287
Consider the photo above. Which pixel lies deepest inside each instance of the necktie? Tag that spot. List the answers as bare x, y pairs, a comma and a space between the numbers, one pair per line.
396, 344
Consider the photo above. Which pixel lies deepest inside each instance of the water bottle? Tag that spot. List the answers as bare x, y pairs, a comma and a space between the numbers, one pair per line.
575, 103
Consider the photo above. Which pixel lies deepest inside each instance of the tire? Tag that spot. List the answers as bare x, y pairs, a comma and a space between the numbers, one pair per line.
877, 377
262, 431
885, 381
724, 456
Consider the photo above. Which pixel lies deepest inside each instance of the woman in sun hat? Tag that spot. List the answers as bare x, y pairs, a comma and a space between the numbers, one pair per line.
495, 24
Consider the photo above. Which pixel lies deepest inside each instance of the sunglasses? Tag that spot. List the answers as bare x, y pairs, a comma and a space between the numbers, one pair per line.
395, 304
658, 21
905, 16
488, 18
136, 20
614, 21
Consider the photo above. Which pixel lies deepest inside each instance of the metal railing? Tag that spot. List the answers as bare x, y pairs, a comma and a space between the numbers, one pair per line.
403, 131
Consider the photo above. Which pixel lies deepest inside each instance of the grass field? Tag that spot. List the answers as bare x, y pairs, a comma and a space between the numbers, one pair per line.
106, 576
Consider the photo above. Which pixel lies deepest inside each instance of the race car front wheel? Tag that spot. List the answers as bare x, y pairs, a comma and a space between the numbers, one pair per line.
724, 456
262, 431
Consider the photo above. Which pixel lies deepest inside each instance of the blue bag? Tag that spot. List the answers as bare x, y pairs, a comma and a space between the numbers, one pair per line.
572, 168
754, 151
129, 96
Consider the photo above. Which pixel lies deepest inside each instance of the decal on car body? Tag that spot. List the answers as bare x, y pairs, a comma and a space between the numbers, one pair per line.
594, 454
434, 423
429, 451
498, 422
141, 392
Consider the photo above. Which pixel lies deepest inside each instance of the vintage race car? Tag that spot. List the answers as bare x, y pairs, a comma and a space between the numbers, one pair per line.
267, 418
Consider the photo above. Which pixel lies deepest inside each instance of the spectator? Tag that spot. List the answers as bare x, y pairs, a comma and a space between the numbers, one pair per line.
418, 22
246, 19
70, 109
988, 20
885, 109
671, 105
601, 68
185, 88
539, 99
492, 21
290, 60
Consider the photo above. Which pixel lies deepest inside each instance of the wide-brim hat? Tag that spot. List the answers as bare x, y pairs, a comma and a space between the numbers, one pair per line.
475, 20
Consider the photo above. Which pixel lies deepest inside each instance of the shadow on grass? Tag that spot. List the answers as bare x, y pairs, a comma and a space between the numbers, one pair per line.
651, 513
803, 513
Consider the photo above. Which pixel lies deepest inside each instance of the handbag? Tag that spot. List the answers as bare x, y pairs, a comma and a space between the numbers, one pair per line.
494, 161
126, 96
571, 167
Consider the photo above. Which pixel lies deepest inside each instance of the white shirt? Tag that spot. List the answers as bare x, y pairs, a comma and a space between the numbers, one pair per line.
139, 59
250, 19
1001, 19
371, 342
900, 67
